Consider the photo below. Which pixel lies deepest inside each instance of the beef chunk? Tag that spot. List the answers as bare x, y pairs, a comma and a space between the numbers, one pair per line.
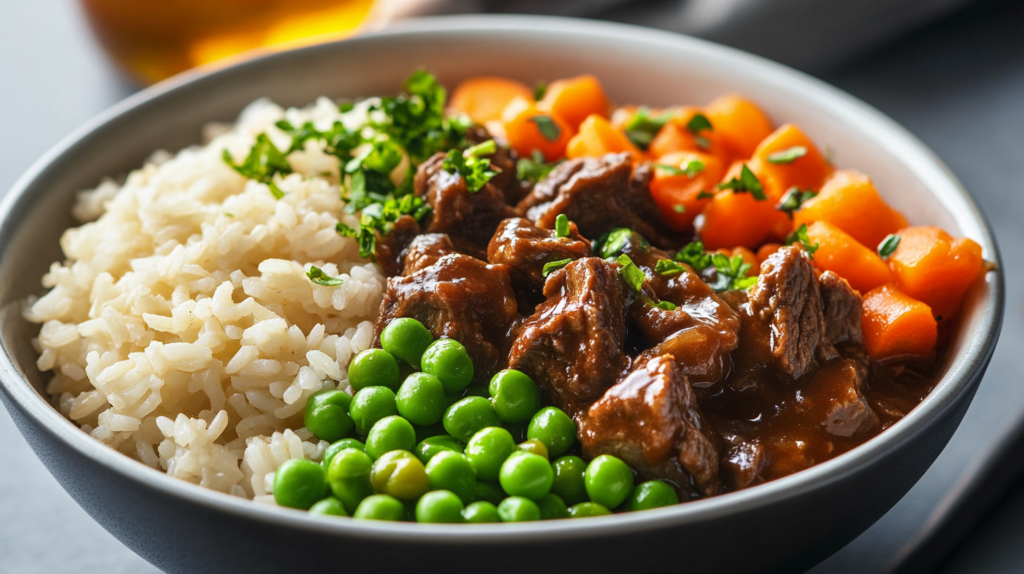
459, 297
788, 299
525, 248
651, 420
425, 251
572, 346
598, 194
505, 159
836, 396
468, 218
742, 463
391, 247
842, 308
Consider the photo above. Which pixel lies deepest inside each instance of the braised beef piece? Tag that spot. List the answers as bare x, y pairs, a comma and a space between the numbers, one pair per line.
505, 160
572, 346
742, 462
651, 420
836, 394
426, 250
525, 248
598, 194
459, 297
391, 247
469, 218
842, 308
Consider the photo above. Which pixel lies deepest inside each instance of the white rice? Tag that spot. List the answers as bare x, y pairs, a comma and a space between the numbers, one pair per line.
182, 329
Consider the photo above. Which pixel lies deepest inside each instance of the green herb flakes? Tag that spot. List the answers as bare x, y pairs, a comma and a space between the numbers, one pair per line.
888, 245
787, 156
316, 275
746, 183
263, 162
694, 256
642, 127
668, 268
630, 273
533, 169
691, 169
552, 266
539, 89
793, 200
699, 123
477, 171
731, 273
548, 128
561, 226
800, 236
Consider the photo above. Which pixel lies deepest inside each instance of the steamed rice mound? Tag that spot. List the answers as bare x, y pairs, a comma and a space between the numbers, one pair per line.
182, 329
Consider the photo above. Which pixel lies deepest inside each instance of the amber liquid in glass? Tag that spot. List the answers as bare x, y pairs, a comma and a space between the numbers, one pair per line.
155, 39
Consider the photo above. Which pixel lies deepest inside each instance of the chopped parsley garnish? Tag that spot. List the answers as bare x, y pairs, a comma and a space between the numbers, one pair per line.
262, 164
793, 200
552, 266
547, 127
888, 245
316, 275
533, 169
611, 244
694, 256
668, 268
630, 273
561, 226
747, 182
703, 194
663, 305
229, 214
787, 155
416, 120
697, 124
642, 127
731, 273
691, 169
679, 208
539, 90
800, 235
470, 165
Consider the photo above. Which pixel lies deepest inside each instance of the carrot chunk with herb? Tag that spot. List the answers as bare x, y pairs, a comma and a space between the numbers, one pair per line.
738, 218
597, 137
740, 122
850, 201
788, 158
574, 99
528, 129
937, 269
683, 184
840, 253
895, 324
689, 130
484, 98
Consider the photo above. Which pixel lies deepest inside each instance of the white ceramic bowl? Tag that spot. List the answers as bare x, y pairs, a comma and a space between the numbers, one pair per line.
785, 525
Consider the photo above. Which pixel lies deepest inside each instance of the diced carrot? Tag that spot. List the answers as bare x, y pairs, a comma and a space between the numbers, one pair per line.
896, 324
932, 266
528, 129
738, 219
850, 201
675, 136
597, 137
842, 254
574, 99
740, 122
766, 250
483, 98
807, 171
677, 194
622, 116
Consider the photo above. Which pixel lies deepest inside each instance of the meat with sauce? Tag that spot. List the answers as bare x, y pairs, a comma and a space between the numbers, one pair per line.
526, 248
425, 251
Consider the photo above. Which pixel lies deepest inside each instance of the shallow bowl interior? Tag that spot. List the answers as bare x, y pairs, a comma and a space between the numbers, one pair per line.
635, 65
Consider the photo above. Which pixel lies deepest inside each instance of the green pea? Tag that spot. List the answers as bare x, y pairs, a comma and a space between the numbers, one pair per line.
534, 446
488, 449
373, 368
388, 434
466, 417
585, 509
554, 428
652, 494
452, 471
518, 509
421, 399
407, 339
429, 447
526, 474
299, 483
609, 481
481, 512
370, 405
569, 483
337, 447
552, 507
488, 492
329, 506
440, 507
400, 474
349, 477
515, 396
327, 415
448, 360
380, 507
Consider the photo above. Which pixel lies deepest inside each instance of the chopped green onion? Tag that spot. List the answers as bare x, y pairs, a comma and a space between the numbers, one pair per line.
630, 273
561, 226
552, 266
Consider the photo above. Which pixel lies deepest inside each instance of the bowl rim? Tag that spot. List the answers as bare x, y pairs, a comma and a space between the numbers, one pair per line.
959, 379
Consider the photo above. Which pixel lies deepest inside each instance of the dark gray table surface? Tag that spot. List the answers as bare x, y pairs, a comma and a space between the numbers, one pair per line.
958, 85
